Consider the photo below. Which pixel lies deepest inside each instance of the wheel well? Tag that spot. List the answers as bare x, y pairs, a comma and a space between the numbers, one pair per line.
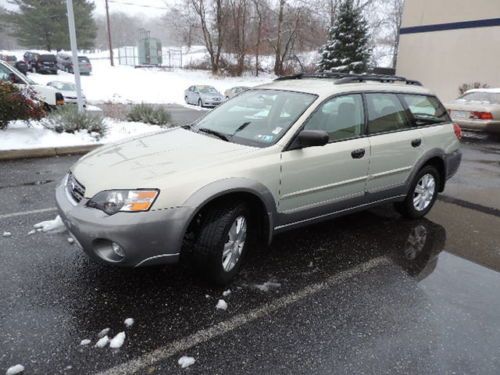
438, 163
255, 204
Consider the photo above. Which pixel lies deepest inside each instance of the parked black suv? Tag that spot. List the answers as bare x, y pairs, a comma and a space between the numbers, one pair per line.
46, 64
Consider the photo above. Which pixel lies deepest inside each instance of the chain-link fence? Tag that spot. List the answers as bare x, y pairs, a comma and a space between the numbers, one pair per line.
171, 57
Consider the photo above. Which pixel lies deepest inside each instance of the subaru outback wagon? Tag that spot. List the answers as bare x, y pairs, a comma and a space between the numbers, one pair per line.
293, 152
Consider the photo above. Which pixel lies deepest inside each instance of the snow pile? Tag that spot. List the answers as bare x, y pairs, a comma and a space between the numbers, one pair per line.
103, 341
53, 226
17, 369
267, 286
117, 341
129, 322
85, 342
186, 361
6, 234
221, 305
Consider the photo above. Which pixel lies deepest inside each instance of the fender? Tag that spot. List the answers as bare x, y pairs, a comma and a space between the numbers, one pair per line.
234, 185
432, 153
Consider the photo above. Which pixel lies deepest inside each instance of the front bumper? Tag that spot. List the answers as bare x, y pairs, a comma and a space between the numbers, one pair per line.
147, 238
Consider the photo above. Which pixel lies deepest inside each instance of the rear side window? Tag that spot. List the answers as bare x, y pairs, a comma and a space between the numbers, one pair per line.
385, 113
426, 110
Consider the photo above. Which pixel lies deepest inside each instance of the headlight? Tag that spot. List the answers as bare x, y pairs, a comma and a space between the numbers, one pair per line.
113, 201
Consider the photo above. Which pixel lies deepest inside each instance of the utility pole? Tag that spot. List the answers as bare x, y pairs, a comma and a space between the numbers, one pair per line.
109, 35
74, 53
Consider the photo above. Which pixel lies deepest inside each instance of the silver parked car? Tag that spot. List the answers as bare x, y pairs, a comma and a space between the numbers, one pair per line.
277, 157
68, 90
203, 96
233, 91
477, 109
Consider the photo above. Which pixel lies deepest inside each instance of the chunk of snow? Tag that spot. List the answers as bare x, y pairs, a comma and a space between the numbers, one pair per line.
221, 305
85, 342
186, 361
207, 296
103, 333
226, 293
129, 322
103, 341
17, 369
71, 240
7, 234
53, 226
267, 286
117, 341
33, 231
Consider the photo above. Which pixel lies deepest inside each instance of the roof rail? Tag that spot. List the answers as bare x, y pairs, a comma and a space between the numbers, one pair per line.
343, 78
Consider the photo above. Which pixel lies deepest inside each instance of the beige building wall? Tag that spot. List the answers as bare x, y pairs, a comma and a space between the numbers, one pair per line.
444, 44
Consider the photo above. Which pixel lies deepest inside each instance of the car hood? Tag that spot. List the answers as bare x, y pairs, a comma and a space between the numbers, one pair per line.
152, 161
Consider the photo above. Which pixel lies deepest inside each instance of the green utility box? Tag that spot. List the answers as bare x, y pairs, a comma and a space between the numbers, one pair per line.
149, 51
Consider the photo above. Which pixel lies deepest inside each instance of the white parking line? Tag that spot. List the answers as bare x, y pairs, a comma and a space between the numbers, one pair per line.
204, 335
23, 213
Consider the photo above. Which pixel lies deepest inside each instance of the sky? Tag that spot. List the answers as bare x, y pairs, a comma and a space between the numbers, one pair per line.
148, 8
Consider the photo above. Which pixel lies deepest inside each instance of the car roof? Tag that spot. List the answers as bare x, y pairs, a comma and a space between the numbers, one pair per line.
327, 87
485, 90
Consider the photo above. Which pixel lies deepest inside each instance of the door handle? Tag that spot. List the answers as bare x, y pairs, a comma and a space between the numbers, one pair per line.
358, 154
416, 142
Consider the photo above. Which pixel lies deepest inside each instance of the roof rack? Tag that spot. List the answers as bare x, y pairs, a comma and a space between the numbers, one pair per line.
343, 78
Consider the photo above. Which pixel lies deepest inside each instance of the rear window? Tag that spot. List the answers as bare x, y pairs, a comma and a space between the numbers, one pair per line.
83, 59
426, 110
47, 58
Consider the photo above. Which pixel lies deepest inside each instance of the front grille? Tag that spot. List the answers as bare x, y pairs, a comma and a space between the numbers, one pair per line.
75, 189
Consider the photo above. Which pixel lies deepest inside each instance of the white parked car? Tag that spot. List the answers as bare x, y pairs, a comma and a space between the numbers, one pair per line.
203, 96
49, 96
68, 89
477, 109
277, 157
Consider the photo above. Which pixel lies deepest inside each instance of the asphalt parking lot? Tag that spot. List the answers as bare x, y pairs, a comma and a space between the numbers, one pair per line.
366, 293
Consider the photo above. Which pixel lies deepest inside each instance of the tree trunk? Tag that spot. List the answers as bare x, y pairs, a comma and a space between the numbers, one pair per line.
278, 62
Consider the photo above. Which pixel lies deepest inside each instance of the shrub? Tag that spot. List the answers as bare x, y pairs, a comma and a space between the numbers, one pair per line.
68, 119
16, 104
469, 86
149, 114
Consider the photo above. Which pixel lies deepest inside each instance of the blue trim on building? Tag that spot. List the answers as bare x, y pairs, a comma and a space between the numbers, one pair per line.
451, 26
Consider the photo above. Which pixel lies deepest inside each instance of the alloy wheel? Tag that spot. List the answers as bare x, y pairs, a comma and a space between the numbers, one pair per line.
424, 192
235, 243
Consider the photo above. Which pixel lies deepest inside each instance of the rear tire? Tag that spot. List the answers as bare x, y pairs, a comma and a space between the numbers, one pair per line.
422, 194
222, 241
200, 103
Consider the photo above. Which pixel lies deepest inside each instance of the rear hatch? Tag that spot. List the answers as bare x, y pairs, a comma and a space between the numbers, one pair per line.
48, 60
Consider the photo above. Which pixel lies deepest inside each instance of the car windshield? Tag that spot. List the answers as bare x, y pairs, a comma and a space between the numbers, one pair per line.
481, 96
207, 90
256, 117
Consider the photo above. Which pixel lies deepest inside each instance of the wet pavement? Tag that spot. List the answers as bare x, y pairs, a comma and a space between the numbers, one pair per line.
366, 293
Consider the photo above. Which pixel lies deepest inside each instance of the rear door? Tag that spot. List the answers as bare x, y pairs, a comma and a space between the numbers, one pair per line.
318, 180
396, 145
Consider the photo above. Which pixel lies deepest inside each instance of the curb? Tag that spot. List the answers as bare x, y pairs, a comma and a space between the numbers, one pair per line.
46, 152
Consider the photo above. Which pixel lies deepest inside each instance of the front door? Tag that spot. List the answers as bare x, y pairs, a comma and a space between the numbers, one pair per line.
317, 180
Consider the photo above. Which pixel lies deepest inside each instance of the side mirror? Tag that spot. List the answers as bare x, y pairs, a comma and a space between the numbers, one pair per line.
311, 138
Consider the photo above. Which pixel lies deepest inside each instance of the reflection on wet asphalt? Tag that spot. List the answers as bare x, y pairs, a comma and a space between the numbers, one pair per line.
431, 306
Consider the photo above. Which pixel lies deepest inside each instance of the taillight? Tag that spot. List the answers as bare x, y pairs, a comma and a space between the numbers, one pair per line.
481, 116
458, 131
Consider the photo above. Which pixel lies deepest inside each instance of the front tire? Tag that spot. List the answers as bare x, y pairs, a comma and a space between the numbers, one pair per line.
200, 103
422, 194
222, 242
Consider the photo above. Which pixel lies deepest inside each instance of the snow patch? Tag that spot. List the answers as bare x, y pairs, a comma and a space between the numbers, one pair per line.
103, 341
226, 293
17, 369
33, 231
186, 361
117, 341
129, 322
221, 305
103, 333
71, 240
85, 342
267, 286
6, 234
52, 226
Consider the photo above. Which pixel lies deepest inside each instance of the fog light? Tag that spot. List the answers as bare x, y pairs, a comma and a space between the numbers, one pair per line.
117, 249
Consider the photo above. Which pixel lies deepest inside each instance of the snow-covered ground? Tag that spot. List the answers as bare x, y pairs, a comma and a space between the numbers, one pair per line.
21, 135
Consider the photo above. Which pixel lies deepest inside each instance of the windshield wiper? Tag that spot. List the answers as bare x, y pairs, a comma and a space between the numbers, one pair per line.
219, 135
240, 128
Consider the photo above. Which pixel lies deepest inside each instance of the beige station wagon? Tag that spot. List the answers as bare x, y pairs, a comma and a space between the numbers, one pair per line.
293, 152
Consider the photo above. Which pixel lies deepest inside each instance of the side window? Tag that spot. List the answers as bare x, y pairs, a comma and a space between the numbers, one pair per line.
341, 117
426, 110
4, 73
385, 113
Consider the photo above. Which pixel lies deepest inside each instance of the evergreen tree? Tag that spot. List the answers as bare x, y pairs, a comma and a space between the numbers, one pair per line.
44, 24
347, 49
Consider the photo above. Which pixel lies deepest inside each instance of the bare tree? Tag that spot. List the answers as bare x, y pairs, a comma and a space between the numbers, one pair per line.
259, 18
238, 37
